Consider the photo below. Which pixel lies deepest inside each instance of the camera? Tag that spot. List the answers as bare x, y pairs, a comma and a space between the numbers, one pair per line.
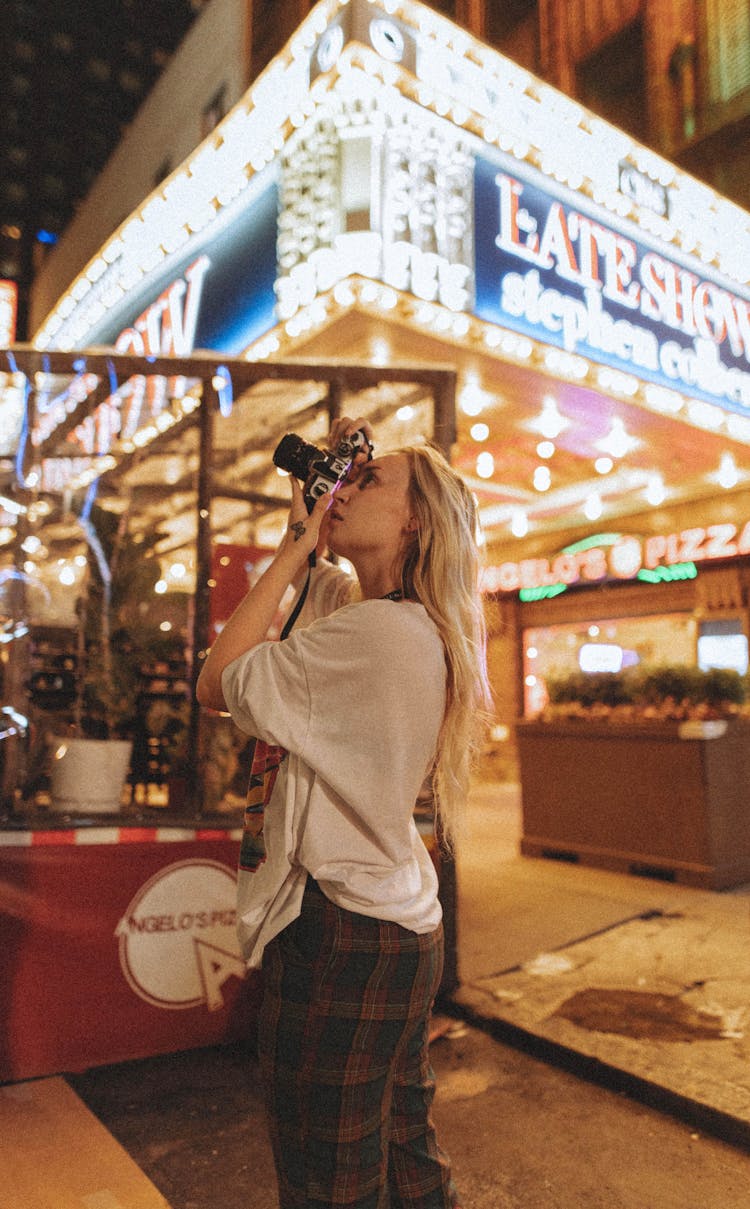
319, 469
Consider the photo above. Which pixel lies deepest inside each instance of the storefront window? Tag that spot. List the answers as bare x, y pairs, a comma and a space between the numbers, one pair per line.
554, 652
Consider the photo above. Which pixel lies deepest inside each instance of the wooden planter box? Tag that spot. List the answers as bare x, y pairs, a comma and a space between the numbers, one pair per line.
664, 799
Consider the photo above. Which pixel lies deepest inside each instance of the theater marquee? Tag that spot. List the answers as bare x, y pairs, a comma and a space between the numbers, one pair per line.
557, 269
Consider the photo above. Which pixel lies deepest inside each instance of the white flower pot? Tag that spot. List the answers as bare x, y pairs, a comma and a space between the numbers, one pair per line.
88, 775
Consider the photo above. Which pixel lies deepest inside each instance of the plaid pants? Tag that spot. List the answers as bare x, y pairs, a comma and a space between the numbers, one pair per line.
344, 1060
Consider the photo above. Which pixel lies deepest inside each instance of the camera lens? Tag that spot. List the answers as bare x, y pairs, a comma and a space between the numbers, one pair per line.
295, 456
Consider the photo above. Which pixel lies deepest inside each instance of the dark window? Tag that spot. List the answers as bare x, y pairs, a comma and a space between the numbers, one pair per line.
62, 42
53, 187
24, 51
503, 16
162, 172
273, 25
513, 26
214, 111
612, 81
98, 70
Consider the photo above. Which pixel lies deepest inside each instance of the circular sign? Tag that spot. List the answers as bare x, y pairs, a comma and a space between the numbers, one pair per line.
626, 557
178, 940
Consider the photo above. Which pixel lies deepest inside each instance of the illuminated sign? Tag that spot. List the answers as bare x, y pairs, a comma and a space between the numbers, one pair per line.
643, 190
8, 312
236, 298
554, 267
167, 326
178, 936
221, 297
600, 657
619, 557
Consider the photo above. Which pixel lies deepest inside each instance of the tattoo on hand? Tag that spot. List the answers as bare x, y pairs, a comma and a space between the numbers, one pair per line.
298, 528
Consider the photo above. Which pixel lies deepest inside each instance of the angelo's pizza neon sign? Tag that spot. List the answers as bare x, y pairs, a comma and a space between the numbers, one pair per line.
619, 556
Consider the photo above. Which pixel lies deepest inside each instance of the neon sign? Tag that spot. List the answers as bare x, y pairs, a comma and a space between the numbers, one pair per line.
554, 267
8, 310
166, 327
620, 557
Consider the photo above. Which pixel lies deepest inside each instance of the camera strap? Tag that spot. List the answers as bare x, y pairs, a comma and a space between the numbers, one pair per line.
292, 618
265, 761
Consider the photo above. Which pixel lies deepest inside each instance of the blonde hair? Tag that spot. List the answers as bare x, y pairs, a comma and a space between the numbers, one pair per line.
441, 571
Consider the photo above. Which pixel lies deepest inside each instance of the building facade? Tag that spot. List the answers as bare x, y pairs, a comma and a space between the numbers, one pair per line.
675, 74
390, 189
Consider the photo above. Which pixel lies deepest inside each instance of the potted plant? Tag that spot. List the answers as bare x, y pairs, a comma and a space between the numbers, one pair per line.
119, 643
669, 693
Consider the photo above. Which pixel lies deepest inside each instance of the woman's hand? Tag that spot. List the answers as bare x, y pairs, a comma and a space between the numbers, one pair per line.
303, 532
344, 427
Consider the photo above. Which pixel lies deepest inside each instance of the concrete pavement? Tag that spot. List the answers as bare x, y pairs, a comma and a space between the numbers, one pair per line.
640, 984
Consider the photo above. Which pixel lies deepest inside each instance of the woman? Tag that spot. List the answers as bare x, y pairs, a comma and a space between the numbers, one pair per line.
338, 899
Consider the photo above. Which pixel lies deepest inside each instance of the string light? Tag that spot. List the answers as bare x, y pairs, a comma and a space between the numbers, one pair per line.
618, 442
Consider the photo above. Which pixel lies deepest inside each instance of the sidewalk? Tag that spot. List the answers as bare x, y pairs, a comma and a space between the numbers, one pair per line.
640, 984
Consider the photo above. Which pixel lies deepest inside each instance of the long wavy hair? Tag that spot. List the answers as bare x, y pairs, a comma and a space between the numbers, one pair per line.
441, 571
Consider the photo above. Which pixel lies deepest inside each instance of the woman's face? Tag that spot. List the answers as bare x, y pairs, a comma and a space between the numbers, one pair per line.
372, 512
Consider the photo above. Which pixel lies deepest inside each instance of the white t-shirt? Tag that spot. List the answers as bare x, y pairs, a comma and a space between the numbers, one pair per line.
357, 699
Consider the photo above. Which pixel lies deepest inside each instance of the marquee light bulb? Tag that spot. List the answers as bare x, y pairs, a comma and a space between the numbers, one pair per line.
593, 507
479, 432
546, 449
728, 474
603, 465
550, 423
485, 465
656, 492
519, 523
542, 478
473, 399
618, 442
